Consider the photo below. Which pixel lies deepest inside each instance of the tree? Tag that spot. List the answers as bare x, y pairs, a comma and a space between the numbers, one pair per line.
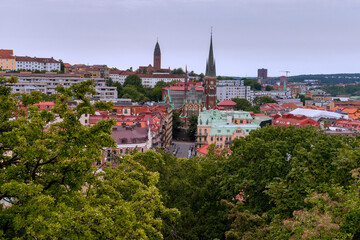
269, 88
193, 122
294, 163
118, 86
242, 104
252, 83
47, 174
176, 122
133, 80
62, 66
179, 71
258, 101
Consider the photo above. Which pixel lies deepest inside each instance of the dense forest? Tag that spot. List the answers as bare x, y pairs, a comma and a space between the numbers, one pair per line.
277, 183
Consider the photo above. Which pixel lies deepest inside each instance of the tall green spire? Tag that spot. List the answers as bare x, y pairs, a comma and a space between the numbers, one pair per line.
210, 64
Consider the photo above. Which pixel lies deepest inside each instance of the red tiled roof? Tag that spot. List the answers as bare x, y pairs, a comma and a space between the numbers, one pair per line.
227, 103
288, 119
35, 59
148, 75
6, 54
289, 105
180, 86
204, 149
271, 107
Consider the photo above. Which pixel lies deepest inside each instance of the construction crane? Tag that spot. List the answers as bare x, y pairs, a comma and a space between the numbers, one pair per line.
286, 72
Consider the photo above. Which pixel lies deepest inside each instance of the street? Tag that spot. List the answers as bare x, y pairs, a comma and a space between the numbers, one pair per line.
182, 149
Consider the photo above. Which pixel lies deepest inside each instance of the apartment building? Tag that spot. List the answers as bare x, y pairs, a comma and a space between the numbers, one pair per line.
88, 71
34, 63
222, 127
7, 60
47, 83
148, 80
229, 89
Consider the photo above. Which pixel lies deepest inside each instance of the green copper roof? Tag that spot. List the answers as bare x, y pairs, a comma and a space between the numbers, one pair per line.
221, 122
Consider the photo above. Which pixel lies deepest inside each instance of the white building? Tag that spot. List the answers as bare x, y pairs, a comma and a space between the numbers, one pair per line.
148, 80
273, 94
41, 64
46, 83
229, 89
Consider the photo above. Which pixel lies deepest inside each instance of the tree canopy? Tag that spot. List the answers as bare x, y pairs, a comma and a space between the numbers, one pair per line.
48, 178
133, 80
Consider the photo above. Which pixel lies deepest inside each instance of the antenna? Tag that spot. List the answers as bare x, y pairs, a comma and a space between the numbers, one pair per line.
286, 72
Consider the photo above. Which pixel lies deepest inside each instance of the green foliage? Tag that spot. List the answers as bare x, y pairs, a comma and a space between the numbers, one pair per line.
133, 80
176, 122
242, 104
258, 101
189, 185
349, 90
252, 83
47, 173
179, 71
193, 122
269, 88
277, 169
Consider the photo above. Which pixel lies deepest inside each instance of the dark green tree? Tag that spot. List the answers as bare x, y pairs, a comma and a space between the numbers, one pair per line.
133, 80
269, 88
193, 122
47, 174
242, 104
258, 101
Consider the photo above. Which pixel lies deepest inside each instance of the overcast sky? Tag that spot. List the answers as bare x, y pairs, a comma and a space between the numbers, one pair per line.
302, 36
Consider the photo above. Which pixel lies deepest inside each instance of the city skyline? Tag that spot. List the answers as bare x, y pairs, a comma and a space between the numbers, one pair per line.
304, 37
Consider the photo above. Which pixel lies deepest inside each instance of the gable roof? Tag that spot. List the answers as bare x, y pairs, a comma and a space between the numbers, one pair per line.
227, 103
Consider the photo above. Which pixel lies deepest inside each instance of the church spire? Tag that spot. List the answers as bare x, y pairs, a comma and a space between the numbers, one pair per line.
210, 64
157, 57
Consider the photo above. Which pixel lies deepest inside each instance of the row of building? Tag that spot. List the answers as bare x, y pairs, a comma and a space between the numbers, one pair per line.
14, 63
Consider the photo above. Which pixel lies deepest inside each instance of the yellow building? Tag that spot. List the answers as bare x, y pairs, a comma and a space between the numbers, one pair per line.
7, 60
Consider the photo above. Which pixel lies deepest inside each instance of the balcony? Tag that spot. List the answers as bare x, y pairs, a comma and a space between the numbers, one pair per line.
228, 141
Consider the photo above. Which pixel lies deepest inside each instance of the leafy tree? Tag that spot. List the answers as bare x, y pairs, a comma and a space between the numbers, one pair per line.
193, 122
62, 66
131, 91
258, 101
176, 122
179, 71
242, 104
269, 88
189, 185
276, 169
133, 80
47, 174
252, 83
118, 86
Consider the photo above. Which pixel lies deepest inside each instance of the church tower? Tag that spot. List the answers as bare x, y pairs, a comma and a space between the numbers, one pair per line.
157, 57
210, 92
210, 64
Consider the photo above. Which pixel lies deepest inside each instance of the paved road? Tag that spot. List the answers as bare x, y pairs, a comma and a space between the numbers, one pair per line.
183, 149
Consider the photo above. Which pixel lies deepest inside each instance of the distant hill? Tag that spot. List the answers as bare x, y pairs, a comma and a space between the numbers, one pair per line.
330, 79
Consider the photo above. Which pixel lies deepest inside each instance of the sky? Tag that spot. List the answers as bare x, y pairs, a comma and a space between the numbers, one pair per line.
300, 36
